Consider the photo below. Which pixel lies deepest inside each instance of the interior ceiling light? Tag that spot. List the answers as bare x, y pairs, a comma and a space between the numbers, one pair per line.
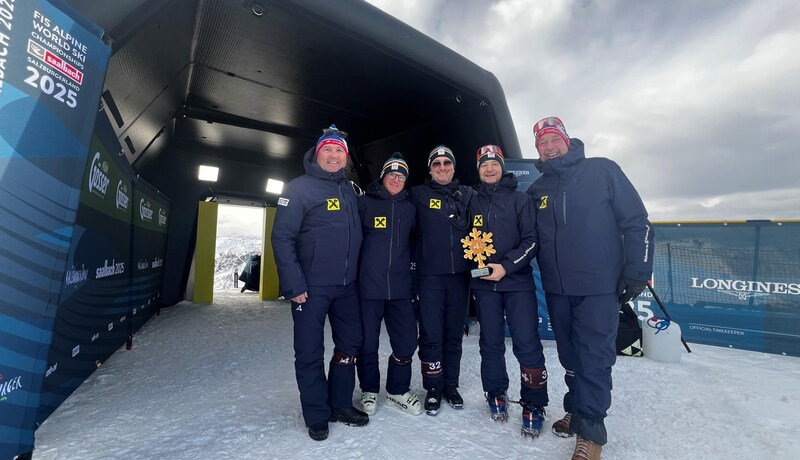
208, 173
274, 186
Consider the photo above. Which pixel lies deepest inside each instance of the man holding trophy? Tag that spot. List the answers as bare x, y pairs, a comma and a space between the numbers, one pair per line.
503, 242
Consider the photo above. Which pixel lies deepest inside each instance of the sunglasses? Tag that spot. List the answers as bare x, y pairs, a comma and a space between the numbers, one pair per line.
397, 176
442, 163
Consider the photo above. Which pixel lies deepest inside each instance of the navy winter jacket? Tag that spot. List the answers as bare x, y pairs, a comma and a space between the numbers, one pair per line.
317, 233
592, 225
511, 218
384, 271
439, 250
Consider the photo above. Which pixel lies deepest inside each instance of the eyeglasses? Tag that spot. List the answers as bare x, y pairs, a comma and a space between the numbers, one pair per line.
442, 163
336, 132
397, 176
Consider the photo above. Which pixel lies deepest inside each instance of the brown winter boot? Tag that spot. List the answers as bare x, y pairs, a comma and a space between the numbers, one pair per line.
561, 427
586, 450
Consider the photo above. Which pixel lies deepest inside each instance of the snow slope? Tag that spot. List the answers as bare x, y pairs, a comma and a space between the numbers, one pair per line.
217, 380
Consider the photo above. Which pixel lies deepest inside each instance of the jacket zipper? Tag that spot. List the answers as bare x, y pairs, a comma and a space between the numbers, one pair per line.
389, 269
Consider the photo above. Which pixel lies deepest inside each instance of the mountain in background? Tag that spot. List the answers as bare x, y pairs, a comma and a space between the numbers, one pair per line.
232, 254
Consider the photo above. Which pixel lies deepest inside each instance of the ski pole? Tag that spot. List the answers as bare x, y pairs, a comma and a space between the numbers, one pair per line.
666, 313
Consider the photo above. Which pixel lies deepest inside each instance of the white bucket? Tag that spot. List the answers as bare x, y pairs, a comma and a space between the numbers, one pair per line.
661, 340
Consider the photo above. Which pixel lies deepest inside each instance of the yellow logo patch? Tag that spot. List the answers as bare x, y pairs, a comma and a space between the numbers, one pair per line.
543, 202
380, 222
333, 204
436, 204
478, 220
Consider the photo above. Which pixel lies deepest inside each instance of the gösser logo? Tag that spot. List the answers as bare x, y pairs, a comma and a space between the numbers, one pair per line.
122, 196
98, 178
144, 210
744, 289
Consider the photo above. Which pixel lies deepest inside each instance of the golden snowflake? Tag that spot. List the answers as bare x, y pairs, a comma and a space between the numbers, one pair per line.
478, 246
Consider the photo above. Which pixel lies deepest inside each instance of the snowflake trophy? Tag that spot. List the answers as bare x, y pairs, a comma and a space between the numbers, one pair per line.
478, 247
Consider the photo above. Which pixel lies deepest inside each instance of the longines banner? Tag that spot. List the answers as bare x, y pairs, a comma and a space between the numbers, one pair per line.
732, 284
149, 244
90, 320
52, 67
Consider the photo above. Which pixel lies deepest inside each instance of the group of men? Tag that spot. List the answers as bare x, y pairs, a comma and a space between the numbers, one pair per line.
349, 258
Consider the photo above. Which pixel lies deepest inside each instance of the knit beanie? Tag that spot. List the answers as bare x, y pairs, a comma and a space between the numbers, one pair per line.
438, 152
395, 163
332, 135
550, 125
491, 152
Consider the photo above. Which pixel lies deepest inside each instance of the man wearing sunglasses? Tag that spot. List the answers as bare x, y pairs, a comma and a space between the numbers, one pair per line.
316, 239
442, 220
384, 287
595, 253
508, 293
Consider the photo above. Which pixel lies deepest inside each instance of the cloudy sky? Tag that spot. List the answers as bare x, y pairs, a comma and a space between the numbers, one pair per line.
694, 99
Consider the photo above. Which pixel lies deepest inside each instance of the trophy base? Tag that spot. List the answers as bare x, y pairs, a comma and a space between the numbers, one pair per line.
479, 272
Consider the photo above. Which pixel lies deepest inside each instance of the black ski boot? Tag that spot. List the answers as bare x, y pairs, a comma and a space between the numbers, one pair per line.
432, 401
452, 396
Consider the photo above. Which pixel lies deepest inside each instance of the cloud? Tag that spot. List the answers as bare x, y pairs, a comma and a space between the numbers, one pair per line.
697, 101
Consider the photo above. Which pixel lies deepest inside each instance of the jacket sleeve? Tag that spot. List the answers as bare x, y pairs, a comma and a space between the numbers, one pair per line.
522, 255
637, 232
288, 220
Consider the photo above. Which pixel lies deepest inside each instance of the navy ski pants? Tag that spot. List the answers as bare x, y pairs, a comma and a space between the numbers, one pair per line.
586, 329
443, 301
401, 324
318, 394
521, 311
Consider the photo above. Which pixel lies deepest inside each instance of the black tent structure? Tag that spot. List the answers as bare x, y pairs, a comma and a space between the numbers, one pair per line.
245, 86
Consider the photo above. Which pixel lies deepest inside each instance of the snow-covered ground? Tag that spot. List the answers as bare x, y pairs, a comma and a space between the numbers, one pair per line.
210, 381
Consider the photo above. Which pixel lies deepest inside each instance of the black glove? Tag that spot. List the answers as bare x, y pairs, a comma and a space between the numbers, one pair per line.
628, 289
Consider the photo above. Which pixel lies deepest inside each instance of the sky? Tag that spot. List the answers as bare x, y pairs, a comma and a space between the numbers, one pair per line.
698, 102
210, 381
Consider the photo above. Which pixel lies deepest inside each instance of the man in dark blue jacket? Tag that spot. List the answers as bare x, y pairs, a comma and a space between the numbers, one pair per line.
384, 286
316, 240
508, 293
595, 253
443, 281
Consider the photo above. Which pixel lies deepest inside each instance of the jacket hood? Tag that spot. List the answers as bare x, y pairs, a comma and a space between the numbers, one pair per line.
377, 190
452, 185
559, 165
314, 169
507, 181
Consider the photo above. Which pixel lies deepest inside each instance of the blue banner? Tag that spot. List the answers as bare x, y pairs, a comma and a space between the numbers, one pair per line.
148, 247
94, 303
51, 76
734, 284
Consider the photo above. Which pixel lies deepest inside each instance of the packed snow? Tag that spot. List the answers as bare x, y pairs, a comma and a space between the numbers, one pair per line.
217, 381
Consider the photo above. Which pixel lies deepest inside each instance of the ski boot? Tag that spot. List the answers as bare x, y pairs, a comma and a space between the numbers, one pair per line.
432, 401
408, 402
369, 402
452, 396
497, 407
532, 419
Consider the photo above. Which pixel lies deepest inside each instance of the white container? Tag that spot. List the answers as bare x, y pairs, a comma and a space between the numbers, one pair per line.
661, 340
